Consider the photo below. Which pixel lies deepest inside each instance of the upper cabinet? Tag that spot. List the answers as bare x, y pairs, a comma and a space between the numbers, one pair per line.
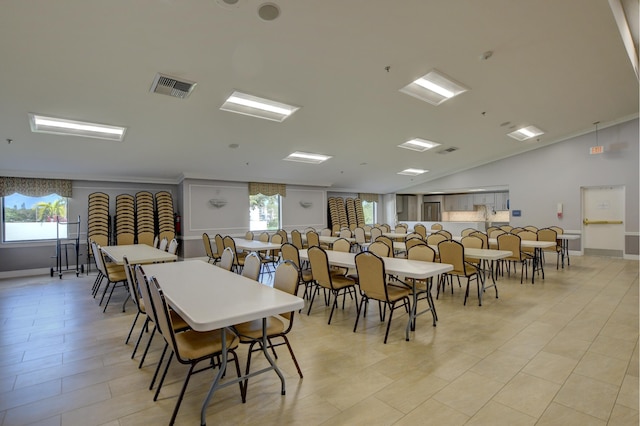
458, 202
466, 202
484, 198
502, 201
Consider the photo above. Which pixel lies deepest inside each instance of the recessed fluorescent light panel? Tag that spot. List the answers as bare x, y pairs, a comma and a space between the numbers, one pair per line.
420, 145
526, 133
434, 88
412, 172
254, 106
306, 157
62, 126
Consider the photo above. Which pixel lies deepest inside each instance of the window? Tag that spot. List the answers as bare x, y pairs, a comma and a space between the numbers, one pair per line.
369, 208
264, 212
33, 218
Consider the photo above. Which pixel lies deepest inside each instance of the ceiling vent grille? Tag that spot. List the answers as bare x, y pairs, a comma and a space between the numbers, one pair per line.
171, 86
448, 150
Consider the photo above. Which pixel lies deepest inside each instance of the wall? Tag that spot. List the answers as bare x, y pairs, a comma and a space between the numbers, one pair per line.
40, 256
540, 179
200, 216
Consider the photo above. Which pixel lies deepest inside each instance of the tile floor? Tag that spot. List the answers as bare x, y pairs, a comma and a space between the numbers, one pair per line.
561, 352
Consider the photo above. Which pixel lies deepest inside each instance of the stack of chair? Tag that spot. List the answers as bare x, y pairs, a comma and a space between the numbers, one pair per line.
164, 207
352, 219
98, 222
145, 218
359, 212
125, 219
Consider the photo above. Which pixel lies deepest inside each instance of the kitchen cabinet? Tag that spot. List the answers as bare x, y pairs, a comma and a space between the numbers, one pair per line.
484, 199
502, 201
458, 202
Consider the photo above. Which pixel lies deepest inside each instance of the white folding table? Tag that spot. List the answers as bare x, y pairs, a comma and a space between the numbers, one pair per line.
137, 254
564, 248
211, 298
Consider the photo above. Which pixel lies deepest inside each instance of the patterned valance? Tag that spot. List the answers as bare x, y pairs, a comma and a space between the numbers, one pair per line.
269, 189
369, 197
34, 187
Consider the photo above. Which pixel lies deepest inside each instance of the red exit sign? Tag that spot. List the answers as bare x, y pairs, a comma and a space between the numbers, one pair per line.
596, 150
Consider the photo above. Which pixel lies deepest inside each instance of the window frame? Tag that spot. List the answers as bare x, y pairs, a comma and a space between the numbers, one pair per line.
279, 211
53, 232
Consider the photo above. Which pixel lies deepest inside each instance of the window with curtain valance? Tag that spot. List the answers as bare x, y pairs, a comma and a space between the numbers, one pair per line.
371, 198
35, 187
268, 189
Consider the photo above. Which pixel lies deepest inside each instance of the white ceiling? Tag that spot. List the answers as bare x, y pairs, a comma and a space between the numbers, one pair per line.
558, 64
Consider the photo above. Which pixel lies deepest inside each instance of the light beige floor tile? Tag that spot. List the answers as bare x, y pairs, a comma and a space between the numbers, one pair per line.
629, 393
405, 393
602, 368
367, 412
612, 347
565, 344
499, 366
468, 393
560, 415
527, 394
495, 413
588, 395
29, 394
433, 413
623, 416
551, 367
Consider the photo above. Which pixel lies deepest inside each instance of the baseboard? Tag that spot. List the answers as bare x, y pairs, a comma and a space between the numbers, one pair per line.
631, 257
38, 271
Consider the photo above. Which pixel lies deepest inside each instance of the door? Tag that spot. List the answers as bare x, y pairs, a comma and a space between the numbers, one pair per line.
603, 220
431, 211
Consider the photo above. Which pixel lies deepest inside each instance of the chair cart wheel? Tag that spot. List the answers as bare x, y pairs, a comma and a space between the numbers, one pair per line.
52, 272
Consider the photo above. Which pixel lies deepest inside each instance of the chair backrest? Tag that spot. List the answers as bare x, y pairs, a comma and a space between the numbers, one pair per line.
320, 266
436, 226
163, 318
309, 228
156, 242
227, 258
411, 242
385, 227
452, 252
229, 242
207, 245
283, 234
345, 233
163, 244
379, 248
400, 229
143, 286
558, 230
277, 239
467, 231
528, 235
326, 232
251, 268
483, 237
248, 235
490, 229
387, 241
359, 235
506, 228
496, 232
371, 275
146, 238
125, 238
131, 284
445, 233
421, 252
342, 245
471, 241
367, 228
290, 253
264, 237
296, 238
97, 257
435, 239
531, 228
335, 229
510, 242
421, 230
173, 246
313, 239
412, 235
547, 234
375, 233
286, 279
219, 244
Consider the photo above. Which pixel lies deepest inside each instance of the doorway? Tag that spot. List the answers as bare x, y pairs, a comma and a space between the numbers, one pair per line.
603, 220
431, 211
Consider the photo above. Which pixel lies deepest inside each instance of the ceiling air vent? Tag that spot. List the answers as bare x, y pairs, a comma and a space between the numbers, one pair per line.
171, 86
448, 150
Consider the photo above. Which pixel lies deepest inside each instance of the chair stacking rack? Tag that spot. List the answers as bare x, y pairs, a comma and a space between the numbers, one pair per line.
98, 223
145, 218
166, 224
125, 220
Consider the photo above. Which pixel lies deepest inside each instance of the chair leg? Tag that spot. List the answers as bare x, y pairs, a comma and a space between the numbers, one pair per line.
146, 350
155, 374
359, 309
164, 375
184, 388
132, 326
293, 357
135, 348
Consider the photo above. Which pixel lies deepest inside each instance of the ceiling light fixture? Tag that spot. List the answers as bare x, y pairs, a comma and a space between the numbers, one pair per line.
412, 172
63, 126
420, 145
255, 106
306, 157
525, 133
434, 88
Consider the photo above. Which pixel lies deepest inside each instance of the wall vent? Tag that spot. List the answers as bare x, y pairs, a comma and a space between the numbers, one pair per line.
171, 86
448, 150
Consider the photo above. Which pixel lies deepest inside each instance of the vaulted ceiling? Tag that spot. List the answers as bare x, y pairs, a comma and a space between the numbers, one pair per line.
559, 65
